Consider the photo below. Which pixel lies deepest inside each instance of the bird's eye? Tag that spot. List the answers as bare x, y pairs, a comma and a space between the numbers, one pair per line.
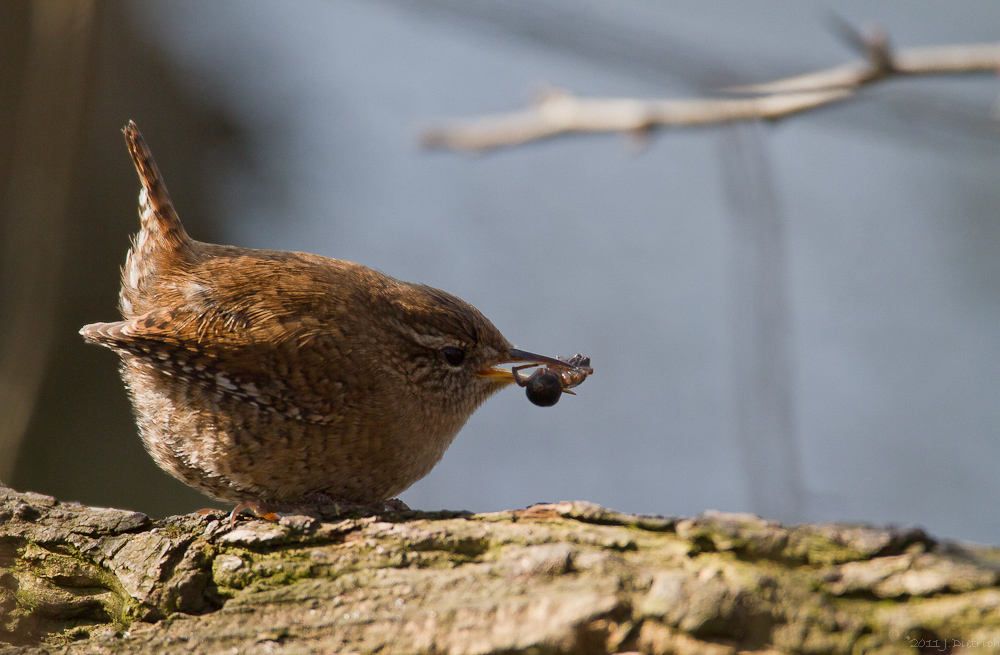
454, 356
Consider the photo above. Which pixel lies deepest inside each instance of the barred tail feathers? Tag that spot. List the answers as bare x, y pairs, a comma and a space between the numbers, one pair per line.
161, 243
156, 211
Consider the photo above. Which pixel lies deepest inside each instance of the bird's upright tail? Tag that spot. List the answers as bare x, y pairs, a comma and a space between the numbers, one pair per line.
155, 209
162, 242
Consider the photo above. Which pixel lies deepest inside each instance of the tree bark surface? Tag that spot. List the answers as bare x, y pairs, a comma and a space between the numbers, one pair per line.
557, 578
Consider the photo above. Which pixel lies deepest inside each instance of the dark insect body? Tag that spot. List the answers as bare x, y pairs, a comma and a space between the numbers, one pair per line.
545, 386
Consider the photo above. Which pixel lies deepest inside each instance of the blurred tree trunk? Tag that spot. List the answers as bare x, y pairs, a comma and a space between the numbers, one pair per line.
43, 132
68, 198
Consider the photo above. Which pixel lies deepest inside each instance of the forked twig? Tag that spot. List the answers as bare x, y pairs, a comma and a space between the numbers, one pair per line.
558, 112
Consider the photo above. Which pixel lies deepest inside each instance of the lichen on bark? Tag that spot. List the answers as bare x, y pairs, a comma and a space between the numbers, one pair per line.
556, 578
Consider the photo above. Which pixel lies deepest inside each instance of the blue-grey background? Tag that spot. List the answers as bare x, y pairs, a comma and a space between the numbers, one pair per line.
887, 253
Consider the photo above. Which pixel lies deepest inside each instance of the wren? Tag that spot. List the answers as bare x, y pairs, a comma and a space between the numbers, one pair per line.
263, 376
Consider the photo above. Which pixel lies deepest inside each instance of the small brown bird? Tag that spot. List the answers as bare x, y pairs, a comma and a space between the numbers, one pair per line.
268, 377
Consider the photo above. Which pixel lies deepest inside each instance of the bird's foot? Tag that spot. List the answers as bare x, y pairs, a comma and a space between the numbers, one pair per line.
318, 505
260, 508
332, 508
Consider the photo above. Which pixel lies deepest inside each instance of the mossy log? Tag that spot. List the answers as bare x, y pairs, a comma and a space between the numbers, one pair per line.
558, 578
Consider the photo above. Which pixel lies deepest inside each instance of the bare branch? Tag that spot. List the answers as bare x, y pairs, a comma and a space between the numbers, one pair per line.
559, 112
942, 60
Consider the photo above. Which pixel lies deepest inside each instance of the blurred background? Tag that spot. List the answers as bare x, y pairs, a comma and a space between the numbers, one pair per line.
799, 319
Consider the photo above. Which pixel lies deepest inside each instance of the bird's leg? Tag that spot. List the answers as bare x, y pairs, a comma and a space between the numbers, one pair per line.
256, 506
522, 382
314, 504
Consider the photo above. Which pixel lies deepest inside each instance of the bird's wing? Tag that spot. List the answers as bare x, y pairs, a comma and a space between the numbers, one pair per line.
294, 373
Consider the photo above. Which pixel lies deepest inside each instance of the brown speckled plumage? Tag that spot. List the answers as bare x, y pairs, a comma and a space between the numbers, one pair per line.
268, 376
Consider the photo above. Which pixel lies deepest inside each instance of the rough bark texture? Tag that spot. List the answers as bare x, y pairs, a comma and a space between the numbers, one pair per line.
560, 578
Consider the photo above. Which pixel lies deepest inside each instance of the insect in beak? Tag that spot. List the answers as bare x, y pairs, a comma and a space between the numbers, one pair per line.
545, 385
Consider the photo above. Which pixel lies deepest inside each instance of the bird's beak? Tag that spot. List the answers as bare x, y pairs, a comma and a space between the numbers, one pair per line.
522, 357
